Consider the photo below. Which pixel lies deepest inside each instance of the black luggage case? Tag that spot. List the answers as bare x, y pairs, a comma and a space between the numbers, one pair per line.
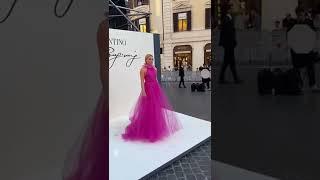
265, 81
193, 87
201, 87
288, 82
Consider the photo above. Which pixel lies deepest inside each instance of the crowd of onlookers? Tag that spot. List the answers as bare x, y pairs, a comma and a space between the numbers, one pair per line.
312, 15
248, 20
186, 68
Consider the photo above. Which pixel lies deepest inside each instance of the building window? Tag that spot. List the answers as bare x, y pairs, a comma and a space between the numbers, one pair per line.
182, 21
136, 3
142, 25
208, 18
139, 2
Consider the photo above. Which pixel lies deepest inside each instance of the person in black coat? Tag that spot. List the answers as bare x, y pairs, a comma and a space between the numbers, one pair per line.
181, 74
305, 60
228, 42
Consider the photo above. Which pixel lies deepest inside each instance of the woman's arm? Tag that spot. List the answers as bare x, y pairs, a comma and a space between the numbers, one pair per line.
142, 74
103, 47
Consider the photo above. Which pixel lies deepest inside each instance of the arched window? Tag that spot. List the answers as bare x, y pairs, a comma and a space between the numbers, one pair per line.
182, 56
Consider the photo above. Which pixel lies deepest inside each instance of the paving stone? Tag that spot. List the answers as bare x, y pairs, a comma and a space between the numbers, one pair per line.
180, 174
170, 171
197, 170
177, 169
172, 177
191, 177
200, 177
195, 165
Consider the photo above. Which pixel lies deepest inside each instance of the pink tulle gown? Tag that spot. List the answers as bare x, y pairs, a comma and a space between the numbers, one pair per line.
152, 118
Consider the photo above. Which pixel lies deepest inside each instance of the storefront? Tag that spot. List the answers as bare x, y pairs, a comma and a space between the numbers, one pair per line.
182, 55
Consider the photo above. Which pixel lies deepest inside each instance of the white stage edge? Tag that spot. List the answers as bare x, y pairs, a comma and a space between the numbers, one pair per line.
134, 160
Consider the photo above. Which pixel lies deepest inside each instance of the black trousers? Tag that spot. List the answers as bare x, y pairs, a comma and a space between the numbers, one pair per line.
206, 81
306, 61
311, 74
229, 60
181, 81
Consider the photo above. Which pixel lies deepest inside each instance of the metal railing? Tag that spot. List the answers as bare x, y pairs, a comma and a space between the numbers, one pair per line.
257, 48
173, 76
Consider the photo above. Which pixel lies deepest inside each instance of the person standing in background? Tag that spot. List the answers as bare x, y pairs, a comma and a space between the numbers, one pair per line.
288, 21
228, 42
205, 75
181, 74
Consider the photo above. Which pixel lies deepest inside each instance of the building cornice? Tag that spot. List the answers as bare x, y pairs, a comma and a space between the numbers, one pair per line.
142, 9
208, 4
181, 6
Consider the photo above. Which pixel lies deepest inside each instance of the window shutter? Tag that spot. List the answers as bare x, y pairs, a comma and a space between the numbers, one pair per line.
189, 19
208, 18
175, 22
145, 2
148, 23
136, 22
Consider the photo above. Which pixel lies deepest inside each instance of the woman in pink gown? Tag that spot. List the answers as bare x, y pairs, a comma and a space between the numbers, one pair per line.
152, 118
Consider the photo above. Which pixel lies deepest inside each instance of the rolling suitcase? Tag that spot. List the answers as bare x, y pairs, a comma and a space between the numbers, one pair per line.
193, 87
265, 78
288, 82
265, 81
201, 87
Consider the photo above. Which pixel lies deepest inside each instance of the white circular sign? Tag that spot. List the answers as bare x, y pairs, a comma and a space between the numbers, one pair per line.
301, 38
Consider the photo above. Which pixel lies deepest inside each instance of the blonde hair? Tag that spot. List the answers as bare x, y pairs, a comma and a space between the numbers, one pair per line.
146, 57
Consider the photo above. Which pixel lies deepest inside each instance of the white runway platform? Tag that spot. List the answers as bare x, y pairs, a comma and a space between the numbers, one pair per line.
134, 160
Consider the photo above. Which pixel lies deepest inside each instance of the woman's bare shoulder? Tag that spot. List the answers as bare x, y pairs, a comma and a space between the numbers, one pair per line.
143, 68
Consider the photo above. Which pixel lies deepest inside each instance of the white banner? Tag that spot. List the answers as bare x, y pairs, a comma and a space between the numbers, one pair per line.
127, 52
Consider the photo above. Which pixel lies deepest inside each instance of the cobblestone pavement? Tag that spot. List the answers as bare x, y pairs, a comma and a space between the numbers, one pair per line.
195, 165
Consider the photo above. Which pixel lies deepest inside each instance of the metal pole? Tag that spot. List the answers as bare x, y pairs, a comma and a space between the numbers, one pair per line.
137, 29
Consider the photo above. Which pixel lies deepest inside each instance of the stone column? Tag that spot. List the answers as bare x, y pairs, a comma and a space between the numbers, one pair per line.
168, 29
197, 54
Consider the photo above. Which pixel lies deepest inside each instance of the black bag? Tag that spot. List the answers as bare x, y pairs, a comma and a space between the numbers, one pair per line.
193, 87
201, 87
265, 81
288, 82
